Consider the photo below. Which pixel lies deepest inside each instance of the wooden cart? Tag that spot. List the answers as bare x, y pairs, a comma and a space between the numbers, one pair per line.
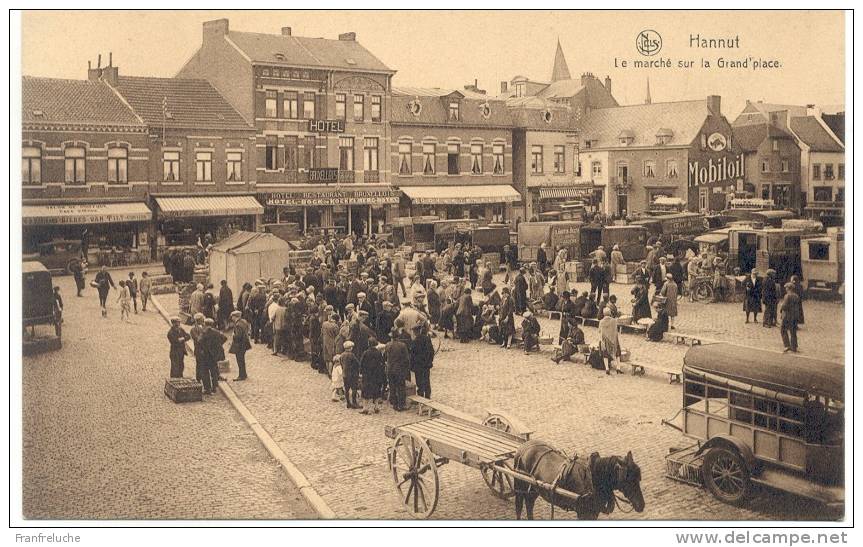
444, 435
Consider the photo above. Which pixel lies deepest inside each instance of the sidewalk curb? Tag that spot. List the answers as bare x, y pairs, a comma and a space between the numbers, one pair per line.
294, 474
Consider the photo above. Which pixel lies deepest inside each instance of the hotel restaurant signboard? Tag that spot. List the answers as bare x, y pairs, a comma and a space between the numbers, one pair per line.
326, 196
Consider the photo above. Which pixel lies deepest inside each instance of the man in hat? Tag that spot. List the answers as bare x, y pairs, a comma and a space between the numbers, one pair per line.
350, 374
280, 324
676, 271
177, 338
770, 298
226, 304
196, 300
212, 351
641, 275
530, 332
398, 368
599, 254
240, 342
363, 304
422, 359
789, 313
373, 371
616, 258
360, 333
542, 258
659, 274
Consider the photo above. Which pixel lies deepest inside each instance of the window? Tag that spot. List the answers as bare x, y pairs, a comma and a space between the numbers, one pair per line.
649, 169
453, 111
376, 108
784, 164
452, 158
75, 165
816, 171
828, 171
765, 166
823, 193
559, 160
429, 158
841, 171
596, 168
170, 166
671, 169
31, 165
536, 159
519, 89
346, 153
370, 154
840, 195
359, 108
118, 164
292, 154
270, 161
234, 164
308, 106
204, 166
576, 168
270, 105
819, 250
310, 152
476, 158
776, 145
341, 106
404, 158
291, 105
497, 151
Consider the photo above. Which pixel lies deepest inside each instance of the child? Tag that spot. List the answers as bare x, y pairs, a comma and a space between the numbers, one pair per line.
350, 374
125, 301
336, 381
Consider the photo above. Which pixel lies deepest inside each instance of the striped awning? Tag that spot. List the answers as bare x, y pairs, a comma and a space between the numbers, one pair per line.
480, 193
566, 192
85, 213
209, 206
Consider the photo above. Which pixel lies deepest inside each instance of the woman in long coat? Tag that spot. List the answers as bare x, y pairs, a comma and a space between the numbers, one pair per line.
329, 332
464, 316
640, 303
752, 286
798, 288
536, 281
506, 321
433, 299
669, 291
609, 343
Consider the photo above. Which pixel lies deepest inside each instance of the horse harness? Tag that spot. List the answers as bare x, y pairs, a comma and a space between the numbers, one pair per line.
564, 471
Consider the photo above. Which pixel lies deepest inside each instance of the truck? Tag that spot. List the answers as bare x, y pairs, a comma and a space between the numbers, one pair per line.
555, 234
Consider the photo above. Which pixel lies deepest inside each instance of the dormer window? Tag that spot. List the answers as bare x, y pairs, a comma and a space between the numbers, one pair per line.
485, 110
453, 111
519, 89
547, 116
626, 137
663, 136
279, 57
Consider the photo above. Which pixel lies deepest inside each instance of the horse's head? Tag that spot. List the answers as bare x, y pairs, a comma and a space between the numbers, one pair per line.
628, 481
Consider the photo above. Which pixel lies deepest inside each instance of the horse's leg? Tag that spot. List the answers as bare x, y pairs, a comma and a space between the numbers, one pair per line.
519, 501
529, 502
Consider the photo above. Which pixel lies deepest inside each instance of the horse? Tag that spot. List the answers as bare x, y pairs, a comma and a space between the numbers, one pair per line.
594, 478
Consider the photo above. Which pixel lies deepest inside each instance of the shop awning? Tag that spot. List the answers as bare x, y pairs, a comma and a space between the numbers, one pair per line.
566, 192
483, 193
85, 213
209, 206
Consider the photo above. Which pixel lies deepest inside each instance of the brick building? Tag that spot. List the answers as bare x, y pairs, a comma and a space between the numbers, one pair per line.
452, 154
320, 111
201, 157
771, 164
84, 166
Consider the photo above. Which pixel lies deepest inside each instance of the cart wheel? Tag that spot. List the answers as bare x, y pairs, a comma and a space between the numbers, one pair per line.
499, 483
414, 474
726, 475
498, 422
703, 291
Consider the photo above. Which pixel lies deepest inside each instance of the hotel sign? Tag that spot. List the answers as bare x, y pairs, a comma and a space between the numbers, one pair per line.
326, 126
334, 197
725, 169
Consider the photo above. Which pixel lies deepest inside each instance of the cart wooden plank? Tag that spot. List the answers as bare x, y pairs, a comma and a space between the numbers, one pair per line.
430, 433
474, 436
485, 433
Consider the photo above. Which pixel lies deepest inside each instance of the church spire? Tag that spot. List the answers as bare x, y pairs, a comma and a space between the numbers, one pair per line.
560, 70
647, 99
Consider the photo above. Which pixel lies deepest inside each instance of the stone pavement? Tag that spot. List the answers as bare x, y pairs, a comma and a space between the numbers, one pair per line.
101, 440
343, 453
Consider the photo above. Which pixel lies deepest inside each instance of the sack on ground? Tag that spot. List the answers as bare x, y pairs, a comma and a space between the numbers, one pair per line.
595, 359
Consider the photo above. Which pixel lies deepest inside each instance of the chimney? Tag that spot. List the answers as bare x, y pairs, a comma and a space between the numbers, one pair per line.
348, 37
586, 77
714, 103
503, 87
215, 29
608, 84
812, 110
93, 74
286, 31
111, 73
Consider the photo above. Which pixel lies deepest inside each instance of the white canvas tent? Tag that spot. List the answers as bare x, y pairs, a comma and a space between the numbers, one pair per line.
247, 256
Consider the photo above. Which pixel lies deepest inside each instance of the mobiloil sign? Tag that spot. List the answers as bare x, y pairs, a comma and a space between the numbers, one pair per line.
722, 169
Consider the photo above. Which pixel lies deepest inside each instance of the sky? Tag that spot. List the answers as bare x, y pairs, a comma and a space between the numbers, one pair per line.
451, 49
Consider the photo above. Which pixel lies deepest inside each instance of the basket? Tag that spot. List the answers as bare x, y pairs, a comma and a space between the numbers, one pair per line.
184, 390
624, 356
224, 366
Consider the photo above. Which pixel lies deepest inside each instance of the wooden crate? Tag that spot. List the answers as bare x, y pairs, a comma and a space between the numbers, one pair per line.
184, 390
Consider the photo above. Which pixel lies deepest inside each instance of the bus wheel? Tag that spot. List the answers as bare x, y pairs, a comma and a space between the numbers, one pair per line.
726, 476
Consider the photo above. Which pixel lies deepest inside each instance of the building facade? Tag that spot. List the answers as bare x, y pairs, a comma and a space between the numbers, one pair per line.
84, 166
320, 111
822, 166
451, 155
771, 164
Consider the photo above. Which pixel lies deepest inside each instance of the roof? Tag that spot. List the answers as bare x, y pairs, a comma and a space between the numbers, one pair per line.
435, 111
780, 372
561, 89
74, 102
836, 123
478, 193
813, 134
251, 242
560, 71
749, 137
766, 108
308, 52
190, 103
684, 119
